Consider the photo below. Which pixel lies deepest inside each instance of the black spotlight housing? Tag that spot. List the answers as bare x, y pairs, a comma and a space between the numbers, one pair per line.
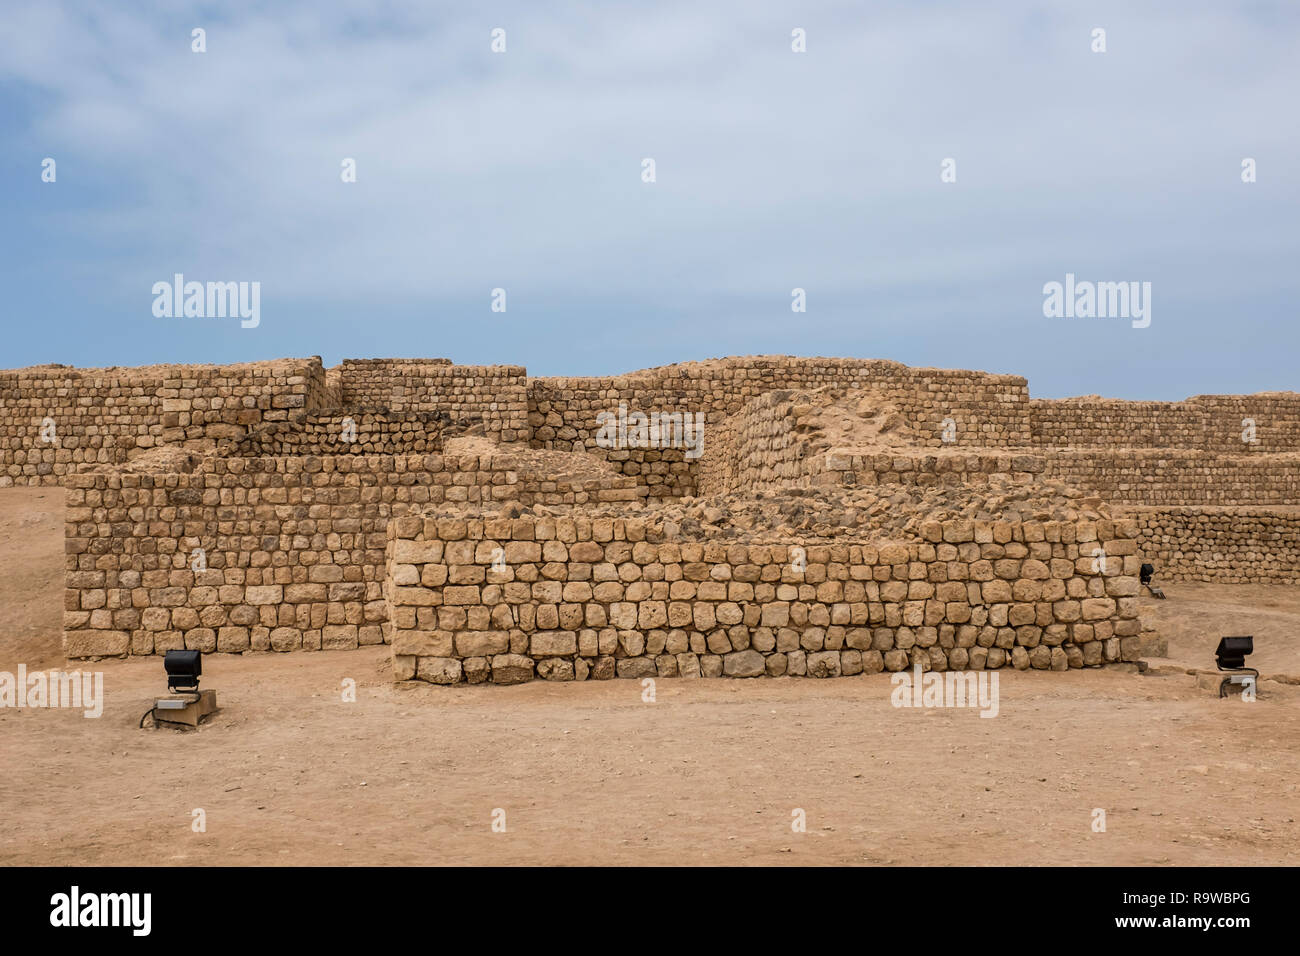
1145, 574
1230, 656
1232, 651
183, 670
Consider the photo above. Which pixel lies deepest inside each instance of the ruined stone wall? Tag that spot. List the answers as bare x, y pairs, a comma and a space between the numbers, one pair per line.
989, 410
1178, 477
354, 432
942, 469
294, 547
761, 446
1248, 544
772, 444
370, 382
666, 473
495, 396
107, 416
1175, 457
333, 394
562, 412
1200, 476
501, 599
1205, 422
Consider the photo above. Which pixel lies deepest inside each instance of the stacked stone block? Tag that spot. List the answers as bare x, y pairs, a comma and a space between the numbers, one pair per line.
293, 547
369, 382
494, 397
107, 416
775, 442
1213, 423
279, 421
1229, 545
354, 432
1179, 477
900, 468
990, 410
570, 598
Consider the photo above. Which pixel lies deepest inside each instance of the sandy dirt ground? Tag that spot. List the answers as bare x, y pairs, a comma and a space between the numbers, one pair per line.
31, 569
1195, 616
710, 772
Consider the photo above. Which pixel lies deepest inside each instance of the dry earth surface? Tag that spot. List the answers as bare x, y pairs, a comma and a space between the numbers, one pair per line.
288, 773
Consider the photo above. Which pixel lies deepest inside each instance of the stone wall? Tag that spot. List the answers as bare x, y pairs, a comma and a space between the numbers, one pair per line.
989, 410
294, 547
108, 416
1178, 477
352, 432
565, 598
1204, 422
1175, 457
666, 473
369, 382
493, 396
944, 468
772, 443
1241, 545
762, 445
563, 412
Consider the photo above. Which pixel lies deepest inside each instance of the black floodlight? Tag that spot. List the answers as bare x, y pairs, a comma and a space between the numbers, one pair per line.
183, 670
1145, 573
1232, 651
1230, 656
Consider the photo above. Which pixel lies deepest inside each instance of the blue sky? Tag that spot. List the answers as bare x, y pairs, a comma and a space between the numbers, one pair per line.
775, 170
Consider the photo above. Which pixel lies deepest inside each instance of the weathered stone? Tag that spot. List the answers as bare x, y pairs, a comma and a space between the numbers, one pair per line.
637, 667
748, 663
439, 670
511, 669
477, 669
554, 668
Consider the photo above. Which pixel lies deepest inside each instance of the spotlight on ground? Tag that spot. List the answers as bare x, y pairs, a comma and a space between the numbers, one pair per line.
1144, 578
183, 670
1230, 657
188, 705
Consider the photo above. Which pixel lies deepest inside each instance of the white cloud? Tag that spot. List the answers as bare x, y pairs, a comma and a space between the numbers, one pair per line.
775, 169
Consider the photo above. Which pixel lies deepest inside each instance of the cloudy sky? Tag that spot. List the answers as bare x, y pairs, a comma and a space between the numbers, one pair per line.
775, 170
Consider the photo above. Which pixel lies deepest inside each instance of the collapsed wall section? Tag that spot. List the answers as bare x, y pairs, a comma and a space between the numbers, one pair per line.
566, 413
499, 599
993, 408
794, 439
